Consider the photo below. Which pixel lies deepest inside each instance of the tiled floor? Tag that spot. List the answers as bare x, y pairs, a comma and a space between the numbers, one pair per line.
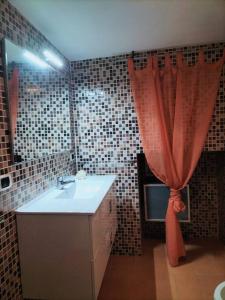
149, 277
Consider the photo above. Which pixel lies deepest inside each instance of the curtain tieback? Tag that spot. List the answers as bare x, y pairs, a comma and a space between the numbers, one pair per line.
176, 201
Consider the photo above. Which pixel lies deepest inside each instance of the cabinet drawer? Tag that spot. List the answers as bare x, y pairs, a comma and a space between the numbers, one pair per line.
99, 264
103, 221
97, 231
101, 258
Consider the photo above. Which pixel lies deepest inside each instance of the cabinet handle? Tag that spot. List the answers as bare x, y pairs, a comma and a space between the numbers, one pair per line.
110, 206
111, 241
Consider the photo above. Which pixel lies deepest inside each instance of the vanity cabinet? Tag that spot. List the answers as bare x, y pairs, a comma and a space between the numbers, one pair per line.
64, 255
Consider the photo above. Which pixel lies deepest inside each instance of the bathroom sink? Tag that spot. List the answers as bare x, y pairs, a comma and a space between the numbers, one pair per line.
79, 190
81, 196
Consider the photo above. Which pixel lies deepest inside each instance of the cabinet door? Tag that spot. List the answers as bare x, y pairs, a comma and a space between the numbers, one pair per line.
103, 224
112, 216
98, 229
55, 256
100, 263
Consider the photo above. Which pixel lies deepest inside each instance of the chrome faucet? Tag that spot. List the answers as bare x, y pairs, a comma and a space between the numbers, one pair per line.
60, 183
62, 180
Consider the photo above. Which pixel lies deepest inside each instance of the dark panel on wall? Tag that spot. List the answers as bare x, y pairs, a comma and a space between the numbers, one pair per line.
204, 203
221, 194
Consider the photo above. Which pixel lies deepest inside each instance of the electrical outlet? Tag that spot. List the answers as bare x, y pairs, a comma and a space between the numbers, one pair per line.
5, 182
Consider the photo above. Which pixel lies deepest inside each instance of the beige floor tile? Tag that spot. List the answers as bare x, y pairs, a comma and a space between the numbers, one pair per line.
149, 277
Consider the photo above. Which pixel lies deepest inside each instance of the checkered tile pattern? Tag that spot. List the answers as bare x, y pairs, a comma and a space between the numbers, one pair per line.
108, 141
33, 176
43, 118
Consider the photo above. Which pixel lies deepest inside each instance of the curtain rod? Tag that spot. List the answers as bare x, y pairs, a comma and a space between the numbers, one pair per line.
133, 53
172, 53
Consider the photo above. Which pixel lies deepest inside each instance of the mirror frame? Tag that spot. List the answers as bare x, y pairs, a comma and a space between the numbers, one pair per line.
5, 81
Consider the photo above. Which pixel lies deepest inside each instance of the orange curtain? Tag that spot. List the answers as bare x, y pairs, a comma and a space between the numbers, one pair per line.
13, 99
174, 107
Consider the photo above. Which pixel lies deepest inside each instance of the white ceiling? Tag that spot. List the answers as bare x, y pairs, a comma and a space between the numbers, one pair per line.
88, 29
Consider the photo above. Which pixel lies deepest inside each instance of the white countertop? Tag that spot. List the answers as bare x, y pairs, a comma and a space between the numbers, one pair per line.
82, 197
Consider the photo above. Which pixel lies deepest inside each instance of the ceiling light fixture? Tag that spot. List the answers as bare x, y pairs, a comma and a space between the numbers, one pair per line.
53, 59
35, 59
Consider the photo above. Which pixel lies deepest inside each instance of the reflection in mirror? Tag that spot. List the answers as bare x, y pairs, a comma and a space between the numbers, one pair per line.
38, 98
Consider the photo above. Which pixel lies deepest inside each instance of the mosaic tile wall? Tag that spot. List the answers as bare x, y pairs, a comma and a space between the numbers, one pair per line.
43, 119
30, 178
108, 140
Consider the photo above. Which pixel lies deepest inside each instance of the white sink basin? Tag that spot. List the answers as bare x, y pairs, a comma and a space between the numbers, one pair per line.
80, 189
82, 196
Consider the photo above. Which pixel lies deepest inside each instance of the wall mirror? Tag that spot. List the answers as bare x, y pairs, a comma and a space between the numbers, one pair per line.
38, 101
